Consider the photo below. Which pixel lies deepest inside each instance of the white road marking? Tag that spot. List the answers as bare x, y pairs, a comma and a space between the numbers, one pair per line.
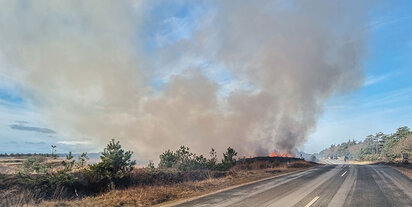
312, 201
343, 174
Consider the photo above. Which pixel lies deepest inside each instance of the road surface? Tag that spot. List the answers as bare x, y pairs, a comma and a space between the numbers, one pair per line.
329, 185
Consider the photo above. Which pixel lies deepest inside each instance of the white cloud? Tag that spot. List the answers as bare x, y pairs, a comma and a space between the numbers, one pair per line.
371, 80
69, 142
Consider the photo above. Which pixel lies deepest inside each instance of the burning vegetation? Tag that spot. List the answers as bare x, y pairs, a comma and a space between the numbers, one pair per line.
274, 154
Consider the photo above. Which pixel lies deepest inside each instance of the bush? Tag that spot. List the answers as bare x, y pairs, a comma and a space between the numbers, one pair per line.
168, 160
115, 164
69, 162
49, 185
83, 158
211, 163
228, 158
183, 160
34, 164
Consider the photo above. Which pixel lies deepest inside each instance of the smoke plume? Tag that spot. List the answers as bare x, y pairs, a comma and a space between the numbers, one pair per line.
251, 74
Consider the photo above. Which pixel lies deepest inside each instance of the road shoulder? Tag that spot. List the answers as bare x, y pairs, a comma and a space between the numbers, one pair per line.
405, 169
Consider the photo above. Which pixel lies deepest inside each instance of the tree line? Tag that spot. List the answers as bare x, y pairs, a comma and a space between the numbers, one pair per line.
385, 147
26, 154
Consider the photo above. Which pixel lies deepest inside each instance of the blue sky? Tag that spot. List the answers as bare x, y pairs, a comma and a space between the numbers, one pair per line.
383, 103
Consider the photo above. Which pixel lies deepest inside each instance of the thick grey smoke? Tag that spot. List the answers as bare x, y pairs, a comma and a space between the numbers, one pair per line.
84, 64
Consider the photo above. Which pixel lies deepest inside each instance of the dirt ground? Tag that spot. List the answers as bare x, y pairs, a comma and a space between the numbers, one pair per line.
10, 165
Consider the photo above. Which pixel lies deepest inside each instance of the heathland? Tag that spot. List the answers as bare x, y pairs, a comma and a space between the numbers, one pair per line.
45, 180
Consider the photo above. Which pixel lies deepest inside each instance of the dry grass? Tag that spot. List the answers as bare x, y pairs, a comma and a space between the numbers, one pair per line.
11, 165
159, 194
22, 198
356, 162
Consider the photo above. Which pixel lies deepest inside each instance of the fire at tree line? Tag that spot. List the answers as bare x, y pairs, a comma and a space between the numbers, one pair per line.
73, 177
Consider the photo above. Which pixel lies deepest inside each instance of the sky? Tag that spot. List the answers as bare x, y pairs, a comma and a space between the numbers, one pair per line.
35, 115
383, 103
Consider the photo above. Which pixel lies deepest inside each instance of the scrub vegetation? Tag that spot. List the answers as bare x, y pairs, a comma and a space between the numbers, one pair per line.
45, 180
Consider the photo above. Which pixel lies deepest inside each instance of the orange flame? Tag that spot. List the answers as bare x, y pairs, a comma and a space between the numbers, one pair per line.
274, 154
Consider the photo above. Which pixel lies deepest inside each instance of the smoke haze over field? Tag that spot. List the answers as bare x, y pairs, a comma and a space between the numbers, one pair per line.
249, 75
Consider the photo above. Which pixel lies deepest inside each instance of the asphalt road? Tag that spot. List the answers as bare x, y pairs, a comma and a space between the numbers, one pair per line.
329, 185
